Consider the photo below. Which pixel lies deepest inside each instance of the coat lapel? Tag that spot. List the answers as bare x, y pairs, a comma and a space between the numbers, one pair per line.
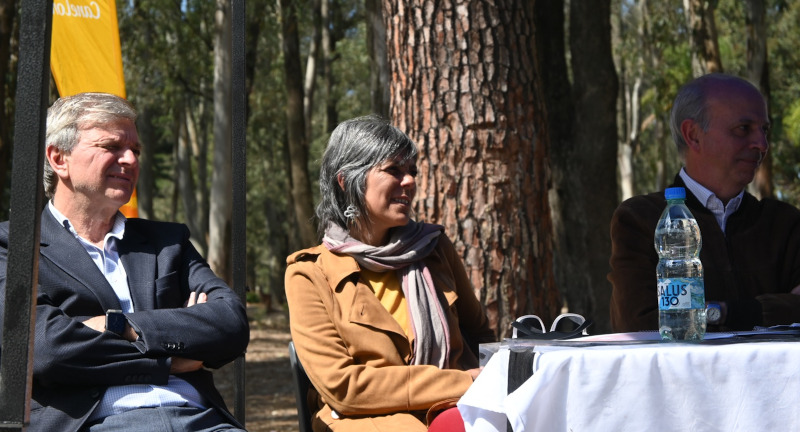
364, 308
59, 246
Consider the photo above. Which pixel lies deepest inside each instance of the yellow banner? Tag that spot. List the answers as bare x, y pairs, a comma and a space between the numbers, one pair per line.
85, 55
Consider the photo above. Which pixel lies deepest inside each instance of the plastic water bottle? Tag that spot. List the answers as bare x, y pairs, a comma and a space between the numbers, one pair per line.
681, 294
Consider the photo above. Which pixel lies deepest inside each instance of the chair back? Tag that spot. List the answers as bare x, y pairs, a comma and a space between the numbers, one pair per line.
301, 386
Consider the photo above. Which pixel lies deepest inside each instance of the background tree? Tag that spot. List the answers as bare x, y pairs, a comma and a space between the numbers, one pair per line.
583, 141
295, 121
379, 65
703, 36
221, 209
464, 87
453, 101
758, 74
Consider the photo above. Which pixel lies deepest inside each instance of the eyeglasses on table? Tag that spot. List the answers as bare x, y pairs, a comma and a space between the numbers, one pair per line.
565, 326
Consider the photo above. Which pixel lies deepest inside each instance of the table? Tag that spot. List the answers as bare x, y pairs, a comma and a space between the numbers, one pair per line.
709, 386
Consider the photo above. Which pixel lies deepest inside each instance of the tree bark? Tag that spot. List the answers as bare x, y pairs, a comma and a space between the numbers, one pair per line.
758, 74
703, 36
312, 65
629, 107
145, 187
329, 56
295, 126
379, 66
464, 87
221, 205
593, 162
570, 269
187, 187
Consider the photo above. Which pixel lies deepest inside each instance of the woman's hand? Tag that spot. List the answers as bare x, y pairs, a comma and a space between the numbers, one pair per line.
474, 373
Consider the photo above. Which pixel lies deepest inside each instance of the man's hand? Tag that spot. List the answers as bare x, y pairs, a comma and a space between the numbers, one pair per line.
97, 323
182, 365
195, 298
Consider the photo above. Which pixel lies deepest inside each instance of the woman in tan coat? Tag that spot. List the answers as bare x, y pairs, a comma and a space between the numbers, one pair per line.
383, 317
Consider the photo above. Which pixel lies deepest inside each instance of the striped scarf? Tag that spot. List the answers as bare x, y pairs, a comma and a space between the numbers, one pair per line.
407, 247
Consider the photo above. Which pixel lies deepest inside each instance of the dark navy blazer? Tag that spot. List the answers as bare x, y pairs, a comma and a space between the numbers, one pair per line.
73, 364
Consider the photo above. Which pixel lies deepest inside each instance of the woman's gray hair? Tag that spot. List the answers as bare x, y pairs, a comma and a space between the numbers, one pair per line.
354, 148
691, 103
69, 115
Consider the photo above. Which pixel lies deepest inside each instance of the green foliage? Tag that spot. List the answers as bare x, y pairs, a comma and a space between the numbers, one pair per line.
654, 47
168, 50
654, 50
792, 123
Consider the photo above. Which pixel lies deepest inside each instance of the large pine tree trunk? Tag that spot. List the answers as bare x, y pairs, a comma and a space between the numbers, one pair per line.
464, 87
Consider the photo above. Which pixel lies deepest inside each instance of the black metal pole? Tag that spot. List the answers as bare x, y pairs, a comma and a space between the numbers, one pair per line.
239, 171
33, 80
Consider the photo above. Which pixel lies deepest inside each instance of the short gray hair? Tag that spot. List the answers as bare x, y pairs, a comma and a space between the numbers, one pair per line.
691, 103
354, 148
71, 114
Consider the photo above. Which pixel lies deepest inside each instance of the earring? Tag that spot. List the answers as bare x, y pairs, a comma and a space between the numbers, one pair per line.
351, 213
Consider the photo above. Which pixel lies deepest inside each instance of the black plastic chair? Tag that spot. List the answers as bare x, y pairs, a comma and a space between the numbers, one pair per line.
301, 386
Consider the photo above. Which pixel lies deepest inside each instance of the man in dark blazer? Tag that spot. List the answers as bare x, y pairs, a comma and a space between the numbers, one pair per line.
128, 314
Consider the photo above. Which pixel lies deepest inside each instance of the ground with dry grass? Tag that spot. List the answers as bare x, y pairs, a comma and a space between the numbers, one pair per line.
269, 398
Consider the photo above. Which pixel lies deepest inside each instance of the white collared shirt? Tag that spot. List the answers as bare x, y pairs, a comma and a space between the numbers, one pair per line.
709, 199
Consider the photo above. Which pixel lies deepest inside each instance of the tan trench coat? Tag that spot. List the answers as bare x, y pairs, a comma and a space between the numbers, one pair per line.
357, 355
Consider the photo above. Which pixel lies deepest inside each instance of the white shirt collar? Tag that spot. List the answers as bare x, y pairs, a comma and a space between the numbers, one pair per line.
710, 201
118, 230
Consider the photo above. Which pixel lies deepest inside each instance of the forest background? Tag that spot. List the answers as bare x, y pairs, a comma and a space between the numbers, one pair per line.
534, 120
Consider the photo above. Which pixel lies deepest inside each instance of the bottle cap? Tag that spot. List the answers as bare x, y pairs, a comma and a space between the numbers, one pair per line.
675, 193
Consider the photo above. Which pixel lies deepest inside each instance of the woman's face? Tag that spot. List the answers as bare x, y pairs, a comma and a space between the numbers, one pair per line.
390, 190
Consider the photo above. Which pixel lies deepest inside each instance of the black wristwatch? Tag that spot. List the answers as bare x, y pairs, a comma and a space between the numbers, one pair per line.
116, 321
713, 313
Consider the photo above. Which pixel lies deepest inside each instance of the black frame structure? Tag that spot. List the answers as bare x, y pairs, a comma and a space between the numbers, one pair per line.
32, 99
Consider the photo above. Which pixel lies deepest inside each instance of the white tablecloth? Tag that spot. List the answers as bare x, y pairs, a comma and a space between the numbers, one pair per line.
654, 387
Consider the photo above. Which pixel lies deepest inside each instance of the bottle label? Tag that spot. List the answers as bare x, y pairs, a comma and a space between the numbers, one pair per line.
681, 293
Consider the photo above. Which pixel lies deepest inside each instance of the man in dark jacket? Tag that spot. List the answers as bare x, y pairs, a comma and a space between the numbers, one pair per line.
751, 247
128, 314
